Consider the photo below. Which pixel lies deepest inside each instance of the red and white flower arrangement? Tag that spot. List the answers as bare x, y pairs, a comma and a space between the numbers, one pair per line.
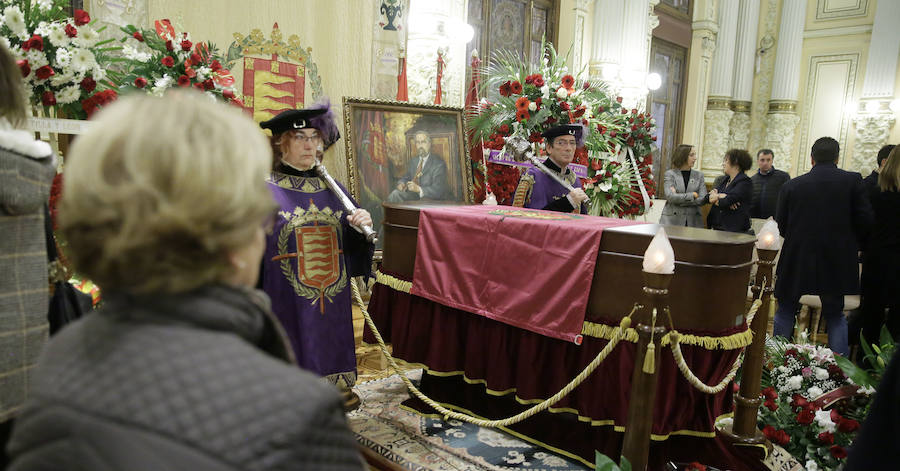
534, 98
160, 59
61, 58
810, 407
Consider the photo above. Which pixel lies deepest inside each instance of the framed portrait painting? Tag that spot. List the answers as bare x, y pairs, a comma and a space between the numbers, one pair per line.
399, 152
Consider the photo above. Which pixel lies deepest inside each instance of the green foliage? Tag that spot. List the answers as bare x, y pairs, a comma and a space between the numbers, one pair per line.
605, 463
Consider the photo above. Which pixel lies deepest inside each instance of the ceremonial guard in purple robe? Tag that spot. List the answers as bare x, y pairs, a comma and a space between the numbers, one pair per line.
314, 249
538, 190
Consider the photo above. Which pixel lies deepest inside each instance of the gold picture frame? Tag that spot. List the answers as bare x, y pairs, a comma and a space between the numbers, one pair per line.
383, 153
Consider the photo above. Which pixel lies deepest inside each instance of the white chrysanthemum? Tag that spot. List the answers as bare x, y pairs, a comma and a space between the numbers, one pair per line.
87, 37
604, 186
99, 73
36, 59
134, 54
821, 373
793, 383
811, 465
45, 5
814, 392
63, 57
203, 73
68, 95
43, 28
14, 20
823, 418
83, 59
58, 37
62, 78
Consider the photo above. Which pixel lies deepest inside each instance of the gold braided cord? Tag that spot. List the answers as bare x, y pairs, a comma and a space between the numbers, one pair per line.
606, 332
393, 282
587, 371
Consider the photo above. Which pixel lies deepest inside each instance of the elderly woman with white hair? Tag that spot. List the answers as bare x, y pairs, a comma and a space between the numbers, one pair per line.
184, 366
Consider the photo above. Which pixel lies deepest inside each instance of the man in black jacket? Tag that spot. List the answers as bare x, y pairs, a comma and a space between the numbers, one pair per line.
824, 217
872, 180
767, 183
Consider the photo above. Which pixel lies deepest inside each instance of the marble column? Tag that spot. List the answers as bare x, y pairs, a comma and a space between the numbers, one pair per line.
621, 47
703, 45
874, 119
744, 63
581, 15
717, 118
782, 119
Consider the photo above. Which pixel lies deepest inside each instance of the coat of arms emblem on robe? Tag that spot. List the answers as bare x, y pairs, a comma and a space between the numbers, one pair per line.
314, 269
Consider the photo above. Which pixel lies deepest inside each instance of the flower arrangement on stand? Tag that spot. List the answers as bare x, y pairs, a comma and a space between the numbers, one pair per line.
534, 98
811, 408
156, 60
61, 58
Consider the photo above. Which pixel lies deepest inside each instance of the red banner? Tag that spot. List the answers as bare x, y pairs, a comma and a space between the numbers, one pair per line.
527, 268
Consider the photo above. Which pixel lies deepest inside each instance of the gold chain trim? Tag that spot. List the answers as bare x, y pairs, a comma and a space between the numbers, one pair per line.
393, 282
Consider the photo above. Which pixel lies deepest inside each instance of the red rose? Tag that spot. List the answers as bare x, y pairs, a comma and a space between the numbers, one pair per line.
228, 93
89, 105
169, 46
827, 438
190, 72
184, 81
137, 35
140, 82
782, 438
838, 452
579, 112
81, 17
47, 98
624, 111
186, 45
199, 86
653, 138
535, 137
805, 417
529, 79
44, 72
564, 106
568, 81
634, 127
769, 393
516, 87
88, 84
208, 84
634, 111
791, 352
799, 402
168, 61
505, 89
770, 404
847, 425
215, 66
195, 59
71, 31
538, 81
504, 128
24, 67
34, 42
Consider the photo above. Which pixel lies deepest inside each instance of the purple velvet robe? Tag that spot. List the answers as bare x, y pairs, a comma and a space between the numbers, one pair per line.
310, 287
548, 194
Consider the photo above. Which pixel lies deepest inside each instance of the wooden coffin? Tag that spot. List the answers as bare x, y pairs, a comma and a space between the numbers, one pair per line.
708, 292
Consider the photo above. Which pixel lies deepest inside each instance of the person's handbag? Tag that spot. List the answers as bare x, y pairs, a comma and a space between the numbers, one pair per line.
67, 303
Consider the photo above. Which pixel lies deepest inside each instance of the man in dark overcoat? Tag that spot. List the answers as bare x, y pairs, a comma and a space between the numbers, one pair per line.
824, 217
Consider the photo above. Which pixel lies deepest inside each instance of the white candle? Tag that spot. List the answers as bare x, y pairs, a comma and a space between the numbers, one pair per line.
769, 238
659, 257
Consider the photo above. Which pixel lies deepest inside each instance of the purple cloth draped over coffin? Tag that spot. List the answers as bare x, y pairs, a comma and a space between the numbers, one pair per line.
310, 257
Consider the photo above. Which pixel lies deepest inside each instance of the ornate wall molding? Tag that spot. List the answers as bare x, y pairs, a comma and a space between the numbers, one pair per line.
765, 70
780, 132
739, 135
831, 9
715, 139
826, 102
872, 132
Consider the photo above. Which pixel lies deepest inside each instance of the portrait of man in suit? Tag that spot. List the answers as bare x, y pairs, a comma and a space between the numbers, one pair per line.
426, 174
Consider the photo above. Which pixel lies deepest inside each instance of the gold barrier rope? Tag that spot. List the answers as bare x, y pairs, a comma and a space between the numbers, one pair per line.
686, 370
449, 414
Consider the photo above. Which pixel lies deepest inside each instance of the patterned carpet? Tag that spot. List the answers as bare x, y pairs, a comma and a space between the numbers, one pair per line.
419, 443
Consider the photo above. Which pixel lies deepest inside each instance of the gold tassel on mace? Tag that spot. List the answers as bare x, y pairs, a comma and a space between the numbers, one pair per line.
650, 359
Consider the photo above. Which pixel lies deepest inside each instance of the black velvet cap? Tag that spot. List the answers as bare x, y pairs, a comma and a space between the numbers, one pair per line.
291, 120
575, 130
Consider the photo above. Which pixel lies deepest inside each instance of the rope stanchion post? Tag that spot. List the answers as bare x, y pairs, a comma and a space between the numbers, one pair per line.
636, 444
747, 401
